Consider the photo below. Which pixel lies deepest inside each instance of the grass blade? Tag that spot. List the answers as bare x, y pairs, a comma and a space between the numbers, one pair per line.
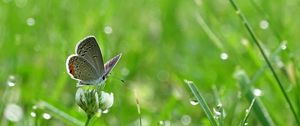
202, 102
209, 32
219, 109
256, 41
258, 107
138, 107
59, 113
248, 111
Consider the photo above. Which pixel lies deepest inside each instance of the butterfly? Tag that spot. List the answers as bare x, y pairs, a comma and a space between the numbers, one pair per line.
86, 65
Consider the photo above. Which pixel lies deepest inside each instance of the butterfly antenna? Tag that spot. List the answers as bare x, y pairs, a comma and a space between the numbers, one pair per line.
138, 107
119, 78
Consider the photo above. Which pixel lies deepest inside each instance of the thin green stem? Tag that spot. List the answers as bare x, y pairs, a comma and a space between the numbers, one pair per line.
88, 120
253, 36
59, 113
209, 32
138, 107
219, 106
36, 123
202, 102
248, 111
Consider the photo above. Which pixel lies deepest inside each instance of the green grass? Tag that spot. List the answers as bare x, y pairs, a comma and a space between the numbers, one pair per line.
163, 43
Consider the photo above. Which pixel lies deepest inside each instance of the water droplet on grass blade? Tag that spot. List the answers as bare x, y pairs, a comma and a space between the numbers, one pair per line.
11, 81
247, 110
264, 24
283, 45
46, 116
194, 102
257, 92
30, 21
216, 113
188, 81
224, 56
11, 84
33, 114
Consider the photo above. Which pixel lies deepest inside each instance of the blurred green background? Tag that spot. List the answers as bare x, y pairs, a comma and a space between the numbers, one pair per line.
163, 43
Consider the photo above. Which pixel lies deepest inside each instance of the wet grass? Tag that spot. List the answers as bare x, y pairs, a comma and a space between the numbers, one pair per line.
163, 43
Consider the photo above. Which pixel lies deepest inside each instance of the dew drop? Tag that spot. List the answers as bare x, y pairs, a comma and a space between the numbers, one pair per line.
46, 116
34, 107
11, 84
217, 113
264, 24
283, 46
30, 21
33, 114
188, 81
108, 30
186, 119
257, 92
224, 56
245, 42
247, 110
13, 112
194, 102
11, 81
245, 124
161, 123
164, 123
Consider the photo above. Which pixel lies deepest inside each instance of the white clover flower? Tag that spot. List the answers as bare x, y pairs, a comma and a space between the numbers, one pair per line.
87, 100
106, 100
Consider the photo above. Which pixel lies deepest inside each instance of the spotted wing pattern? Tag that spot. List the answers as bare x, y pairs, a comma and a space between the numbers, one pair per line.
79, 68
88, 48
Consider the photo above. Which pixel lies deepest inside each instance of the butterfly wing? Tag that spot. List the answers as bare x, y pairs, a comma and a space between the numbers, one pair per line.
109, 65
88, 48
80, 69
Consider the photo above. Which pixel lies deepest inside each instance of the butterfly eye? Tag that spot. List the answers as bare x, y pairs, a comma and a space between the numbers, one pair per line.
103, 78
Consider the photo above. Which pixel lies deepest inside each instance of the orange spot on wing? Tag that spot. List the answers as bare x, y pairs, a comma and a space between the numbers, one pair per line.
71, 69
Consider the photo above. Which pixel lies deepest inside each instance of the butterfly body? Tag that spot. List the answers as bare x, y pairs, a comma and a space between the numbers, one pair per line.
86, 65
